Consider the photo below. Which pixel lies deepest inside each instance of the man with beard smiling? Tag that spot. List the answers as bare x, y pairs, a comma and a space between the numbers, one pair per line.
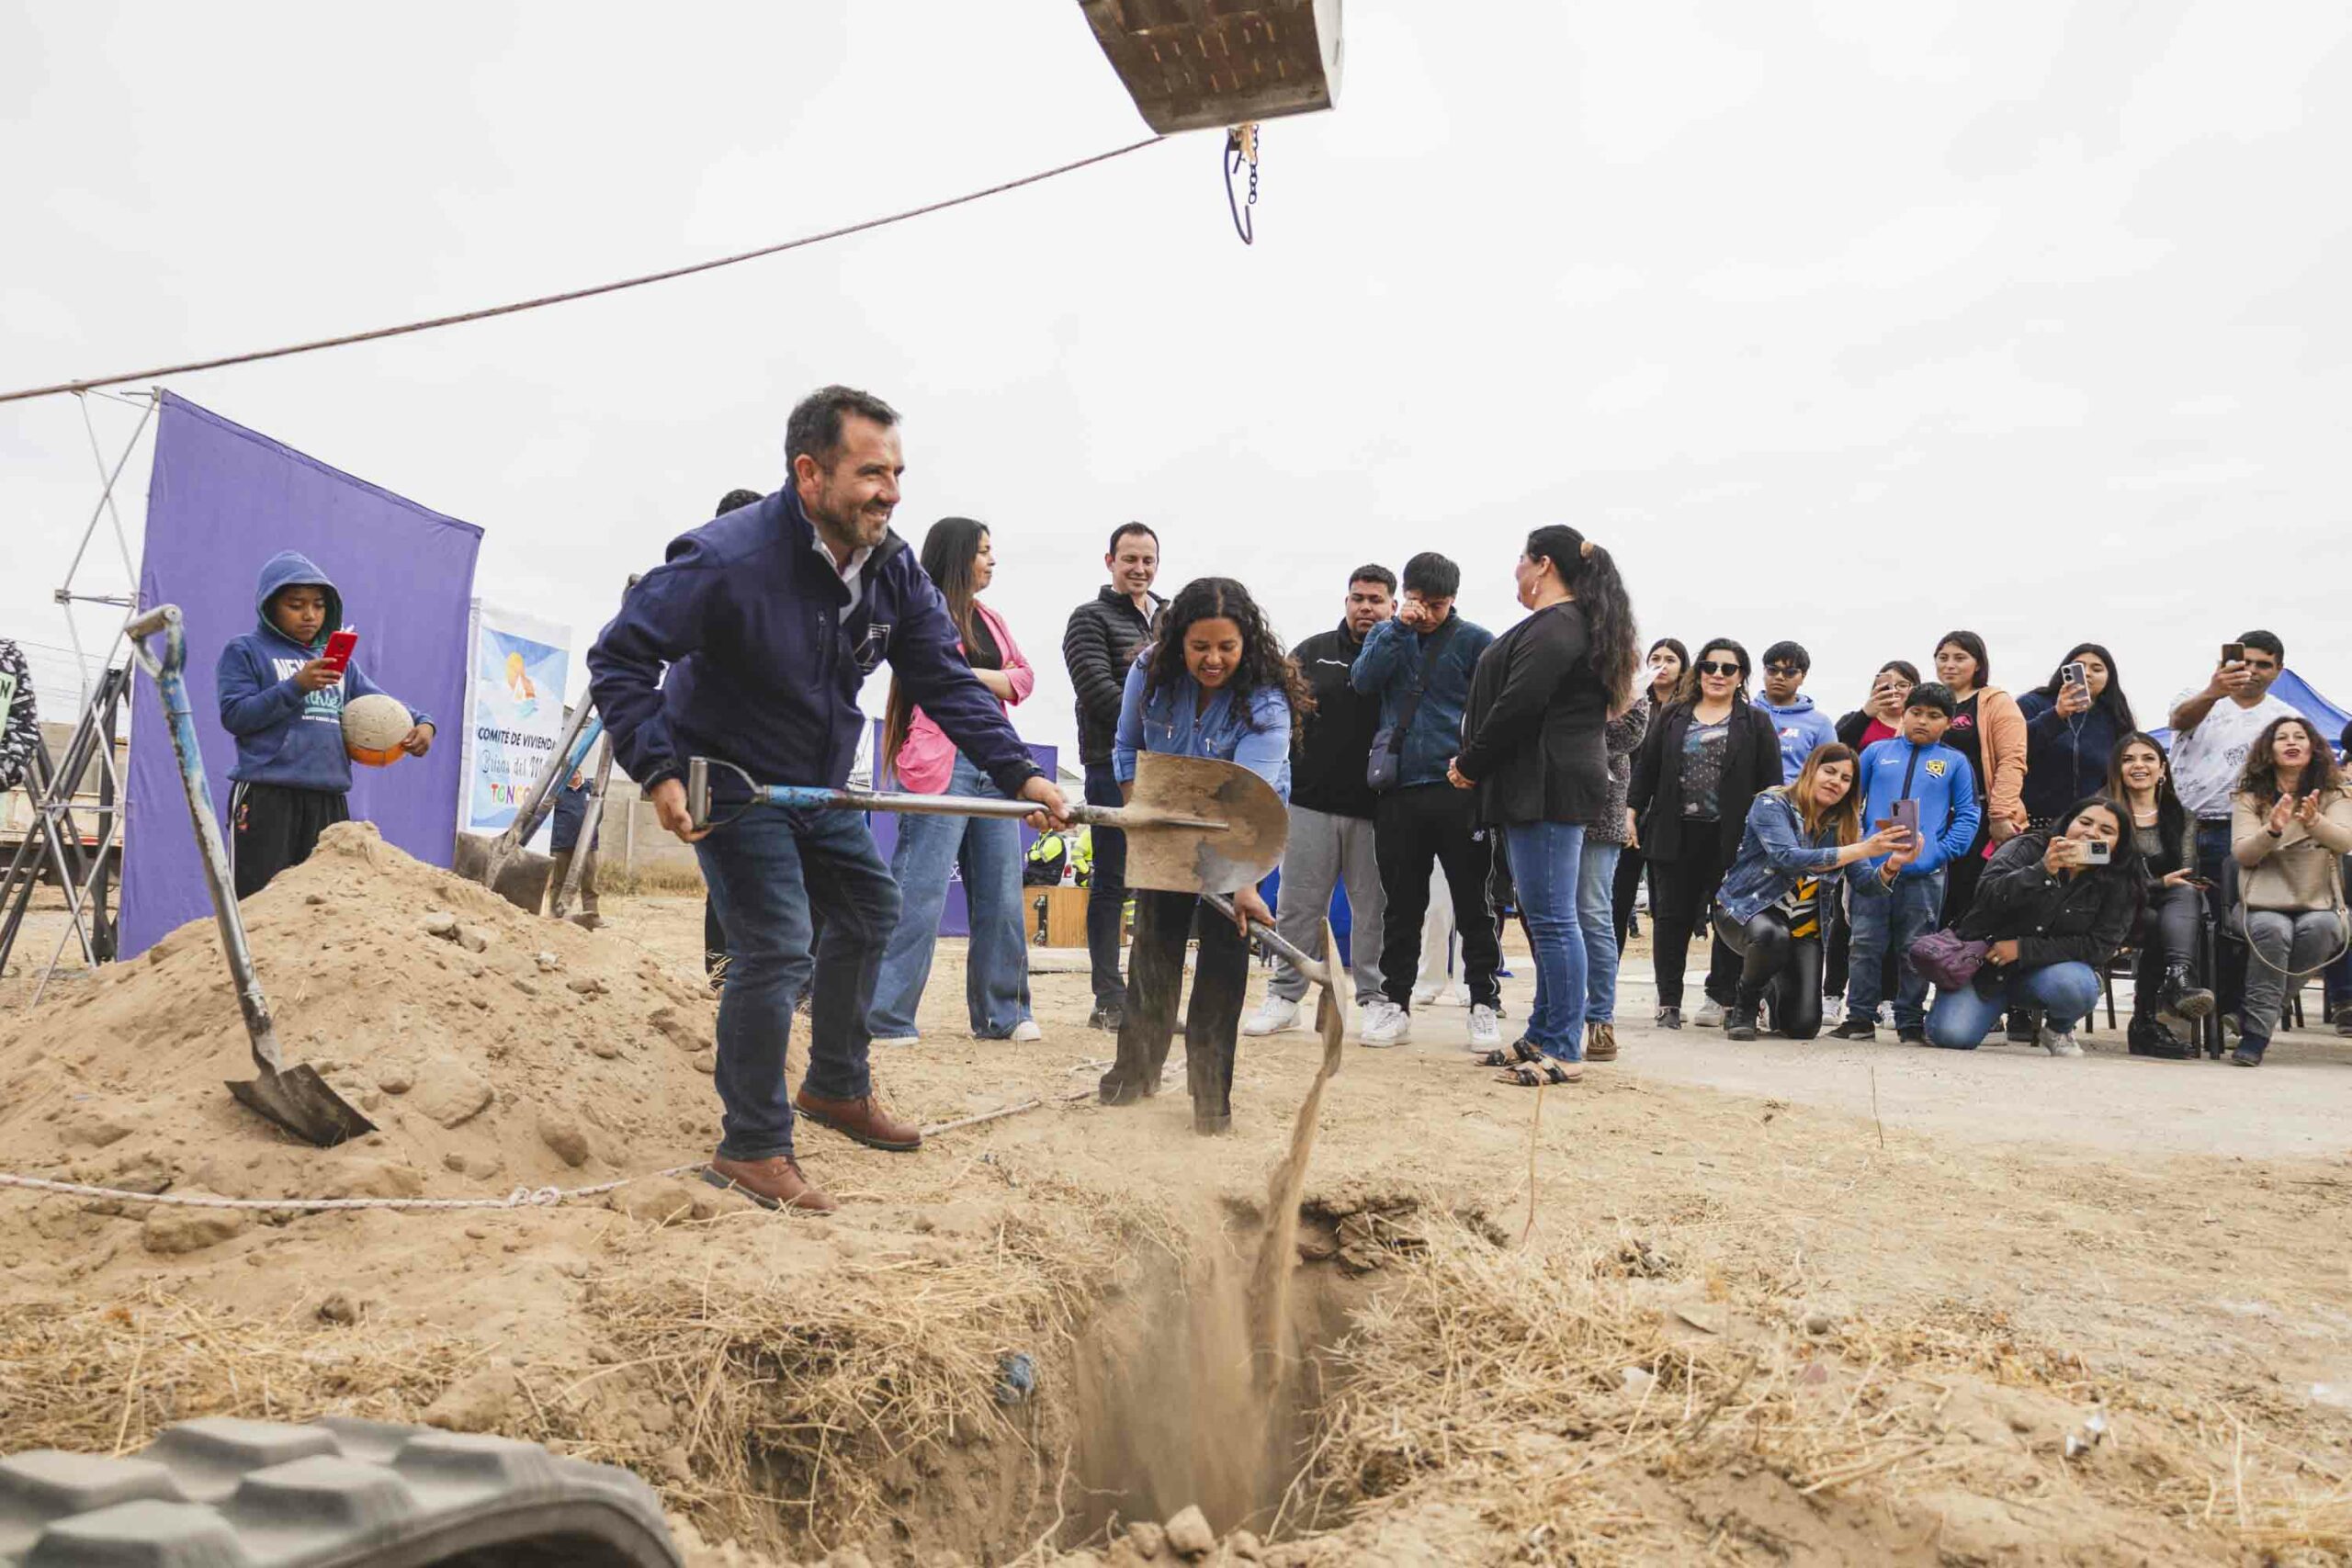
769, 618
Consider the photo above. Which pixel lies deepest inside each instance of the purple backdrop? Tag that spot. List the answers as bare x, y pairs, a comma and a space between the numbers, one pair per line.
955, 920
223, 500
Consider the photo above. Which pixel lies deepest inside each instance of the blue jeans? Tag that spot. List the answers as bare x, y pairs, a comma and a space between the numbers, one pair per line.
1891, 922
765, 870
2064, 992
1597, 920
1546, 859
986, 851
1106, 896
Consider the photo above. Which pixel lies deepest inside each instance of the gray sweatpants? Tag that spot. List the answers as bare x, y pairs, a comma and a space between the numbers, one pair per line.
1324, 853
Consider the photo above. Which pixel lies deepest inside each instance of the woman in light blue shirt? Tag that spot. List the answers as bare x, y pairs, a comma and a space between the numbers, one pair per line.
1215, 682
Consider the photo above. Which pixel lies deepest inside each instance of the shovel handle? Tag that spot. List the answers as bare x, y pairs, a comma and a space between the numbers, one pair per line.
1272, 941
812, 797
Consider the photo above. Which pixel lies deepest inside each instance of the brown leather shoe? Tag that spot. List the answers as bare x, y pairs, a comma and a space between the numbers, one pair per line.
861, 1120
1601, 1042
772, 1183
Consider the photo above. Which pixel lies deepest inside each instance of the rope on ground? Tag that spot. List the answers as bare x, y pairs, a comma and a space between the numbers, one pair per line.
521, 1198
485, 313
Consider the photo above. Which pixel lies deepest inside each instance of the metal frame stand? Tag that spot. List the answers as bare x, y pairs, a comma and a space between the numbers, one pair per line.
55, 844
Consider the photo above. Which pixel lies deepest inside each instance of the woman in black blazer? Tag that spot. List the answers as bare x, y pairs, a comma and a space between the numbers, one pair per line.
1700, 768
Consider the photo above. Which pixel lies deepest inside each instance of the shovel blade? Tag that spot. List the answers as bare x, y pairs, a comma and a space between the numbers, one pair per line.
299, 1100
1195, 859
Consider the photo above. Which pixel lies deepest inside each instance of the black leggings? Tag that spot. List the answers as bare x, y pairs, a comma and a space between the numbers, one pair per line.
1631, 865
1686, 891
1786, 968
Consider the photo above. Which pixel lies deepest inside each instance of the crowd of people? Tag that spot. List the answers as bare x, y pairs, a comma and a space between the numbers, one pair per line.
1948, 858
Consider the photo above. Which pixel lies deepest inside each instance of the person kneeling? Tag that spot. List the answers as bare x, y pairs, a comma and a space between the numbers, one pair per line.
1770, 909
2054, 905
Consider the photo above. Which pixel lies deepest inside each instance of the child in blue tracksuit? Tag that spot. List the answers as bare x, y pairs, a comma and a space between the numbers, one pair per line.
1897, 897
284, 703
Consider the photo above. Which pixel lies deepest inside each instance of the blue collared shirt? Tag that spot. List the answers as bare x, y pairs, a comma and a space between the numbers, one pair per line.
1172, 721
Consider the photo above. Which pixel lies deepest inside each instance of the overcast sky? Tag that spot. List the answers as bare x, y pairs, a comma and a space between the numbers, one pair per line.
1851, 323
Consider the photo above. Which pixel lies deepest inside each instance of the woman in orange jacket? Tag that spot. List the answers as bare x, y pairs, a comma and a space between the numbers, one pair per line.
1989, 728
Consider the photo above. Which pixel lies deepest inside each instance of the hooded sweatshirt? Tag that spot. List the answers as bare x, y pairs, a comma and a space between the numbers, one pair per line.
2066, 757
287, 735
1801, 730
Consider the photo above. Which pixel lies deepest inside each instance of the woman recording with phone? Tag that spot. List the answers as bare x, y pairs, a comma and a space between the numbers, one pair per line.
2053, 907
2172, 901
2072, 726
1774, 899
2290, 828
1881, 715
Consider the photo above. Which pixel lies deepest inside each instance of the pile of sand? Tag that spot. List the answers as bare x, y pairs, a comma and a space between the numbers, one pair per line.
492, 1049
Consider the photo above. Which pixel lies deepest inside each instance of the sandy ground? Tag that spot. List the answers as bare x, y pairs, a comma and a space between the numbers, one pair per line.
1905, 1307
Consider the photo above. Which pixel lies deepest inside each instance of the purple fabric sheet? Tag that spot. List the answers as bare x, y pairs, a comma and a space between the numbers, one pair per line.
222, 499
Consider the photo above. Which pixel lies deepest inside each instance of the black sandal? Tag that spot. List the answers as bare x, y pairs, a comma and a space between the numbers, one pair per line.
1544, 1070
1517, 1051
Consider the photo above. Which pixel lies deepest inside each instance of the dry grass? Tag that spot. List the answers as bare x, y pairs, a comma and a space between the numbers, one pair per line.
104, 1380
1587, 1409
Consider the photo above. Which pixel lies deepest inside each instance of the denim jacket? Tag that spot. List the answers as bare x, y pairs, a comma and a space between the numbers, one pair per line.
1172, 721
1775, 855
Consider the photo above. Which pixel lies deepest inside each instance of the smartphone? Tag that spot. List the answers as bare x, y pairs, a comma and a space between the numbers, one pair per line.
2202, 883
2095, 852
2233, 653
2074, 675
339, 647
1906, 817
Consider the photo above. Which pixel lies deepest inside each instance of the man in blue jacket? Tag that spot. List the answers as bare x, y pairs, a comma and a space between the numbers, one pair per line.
1417, 664
283, 700
769, 618
1897, 899
1800, 725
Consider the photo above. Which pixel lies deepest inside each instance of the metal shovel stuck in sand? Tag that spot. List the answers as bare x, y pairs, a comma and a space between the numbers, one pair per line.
1193, 825
295, 1098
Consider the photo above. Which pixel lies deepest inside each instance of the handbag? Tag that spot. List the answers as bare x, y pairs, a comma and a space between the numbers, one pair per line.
1388, 742
1947, 959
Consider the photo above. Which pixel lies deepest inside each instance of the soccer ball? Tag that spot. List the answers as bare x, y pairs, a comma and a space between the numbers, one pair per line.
373, 727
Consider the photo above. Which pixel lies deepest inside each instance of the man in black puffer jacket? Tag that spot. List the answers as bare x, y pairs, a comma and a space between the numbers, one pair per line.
1101, 641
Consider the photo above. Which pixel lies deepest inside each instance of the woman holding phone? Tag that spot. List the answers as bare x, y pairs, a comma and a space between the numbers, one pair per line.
2055, 906
2290, 830
2073, 725
1773, 902
1881, 715
2172, 903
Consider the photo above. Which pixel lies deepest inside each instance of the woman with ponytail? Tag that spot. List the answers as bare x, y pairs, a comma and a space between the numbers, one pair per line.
1534, 755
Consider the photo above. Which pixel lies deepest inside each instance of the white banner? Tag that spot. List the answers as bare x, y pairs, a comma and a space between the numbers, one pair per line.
513, 716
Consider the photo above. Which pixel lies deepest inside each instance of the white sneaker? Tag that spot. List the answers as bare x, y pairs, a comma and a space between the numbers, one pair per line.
2059, 1044
896, 1039
1426, 992
1026, 1032
1273, 1016
1386, 1025
1485, 1029
1710, 1014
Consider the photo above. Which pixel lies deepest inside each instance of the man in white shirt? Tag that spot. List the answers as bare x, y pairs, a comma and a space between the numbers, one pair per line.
2212, 729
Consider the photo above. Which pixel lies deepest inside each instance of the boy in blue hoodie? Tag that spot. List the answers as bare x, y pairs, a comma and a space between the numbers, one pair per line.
284, 701
1897, 899
1800, 725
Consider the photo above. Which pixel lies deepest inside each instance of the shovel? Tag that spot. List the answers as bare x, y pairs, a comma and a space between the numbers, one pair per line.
295, 1098
1193, 825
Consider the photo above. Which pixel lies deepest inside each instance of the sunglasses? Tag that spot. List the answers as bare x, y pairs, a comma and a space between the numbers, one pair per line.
1717, 667
1783, 670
